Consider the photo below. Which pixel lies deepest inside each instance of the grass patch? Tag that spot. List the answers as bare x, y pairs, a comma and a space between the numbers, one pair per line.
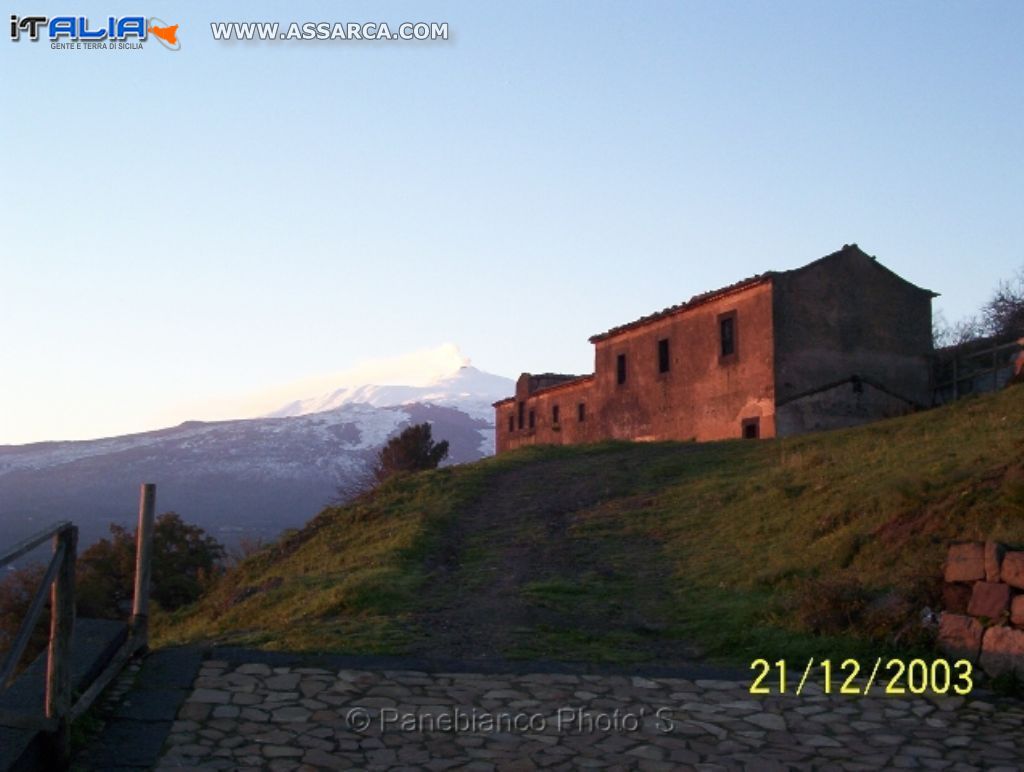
819, 545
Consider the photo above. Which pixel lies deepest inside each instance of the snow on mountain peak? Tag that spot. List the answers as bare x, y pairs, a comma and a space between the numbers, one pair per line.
440, 376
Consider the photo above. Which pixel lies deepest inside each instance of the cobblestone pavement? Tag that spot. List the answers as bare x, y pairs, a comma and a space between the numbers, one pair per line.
256, 716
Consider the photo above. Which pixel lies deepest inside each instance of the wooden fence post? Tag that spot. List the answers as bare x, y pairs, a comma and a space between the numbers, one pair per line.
58, 665
143, 563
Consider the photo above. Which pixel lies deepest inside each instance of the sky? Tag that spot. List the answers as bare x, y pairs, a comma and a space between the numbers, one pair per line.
184, 228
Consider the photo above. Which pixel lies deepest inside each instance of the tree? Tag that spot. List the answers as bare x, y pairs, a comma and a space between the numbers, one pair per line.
1002, 317
946, 335
411, 451
1004, 312
185, 561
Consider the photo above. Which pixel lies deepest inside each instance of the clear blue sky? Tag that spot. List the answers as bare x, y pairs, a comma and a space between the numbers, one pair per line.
233, 216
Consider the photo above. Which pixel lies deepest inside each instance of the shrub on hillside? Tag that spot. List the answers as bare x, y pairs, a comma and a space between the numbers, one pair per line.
829, 606
413, 450
843, 606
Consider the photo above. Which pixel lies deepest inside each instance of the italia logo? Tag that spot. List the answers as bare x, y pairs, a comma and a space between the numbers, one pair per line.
114, 31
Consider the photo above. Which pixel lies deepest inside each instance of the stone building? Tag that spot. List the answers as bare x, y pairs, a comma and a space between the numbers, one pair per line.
841, 341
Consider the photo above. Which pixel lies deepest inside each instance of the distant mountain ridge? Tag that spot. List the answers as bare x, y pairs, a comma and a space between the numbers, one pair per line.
255, 476
470, 390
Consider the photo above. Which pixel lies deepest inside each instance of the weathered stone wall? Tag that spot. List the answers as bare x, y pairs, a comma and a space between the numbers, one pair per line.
848, 315
799, 335
701, 397
850, 403
983, 619
569, 430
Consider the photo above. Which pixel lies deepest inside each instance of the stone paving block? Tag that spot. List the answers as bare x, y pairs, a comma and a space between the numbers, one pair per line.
211, 696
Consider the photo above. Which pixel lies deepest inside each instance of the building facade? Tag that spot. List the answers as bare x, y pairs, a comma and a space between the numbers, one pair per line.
838, 342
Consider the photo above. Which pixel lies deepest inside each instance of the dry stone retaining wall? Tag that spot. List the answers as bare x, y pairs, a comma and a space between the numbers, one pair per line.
983, 597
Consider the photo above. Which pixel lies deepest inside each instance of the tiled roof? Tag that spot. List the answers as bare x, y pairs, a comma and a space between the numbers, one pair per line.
760, 278
693, 302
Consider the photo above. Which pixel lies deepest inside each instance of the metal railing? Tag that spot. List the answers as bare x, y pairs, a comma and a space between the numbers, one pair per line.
961, 370
59, 581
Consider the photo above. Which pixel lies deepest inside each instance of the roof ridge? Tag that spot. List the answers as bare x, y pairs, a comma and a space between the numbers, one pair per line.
693, 302
750, 281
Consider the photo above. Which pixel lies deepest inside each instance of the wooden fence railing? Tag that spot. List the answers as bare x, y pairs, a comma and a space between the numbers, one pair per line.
59, 581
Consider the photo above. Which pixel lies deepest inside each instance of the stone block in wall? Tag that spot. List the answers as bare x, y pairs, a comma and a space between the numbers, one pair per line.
1017, 610
994, 552
1012, 569
1002, 651
960, 635
989, 599
956, 597
965, 562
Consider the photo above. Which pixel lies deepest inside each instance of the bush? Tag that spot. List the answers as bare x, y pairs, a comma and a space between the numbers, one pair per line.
829, 606
413, 450
185, 562
842, 606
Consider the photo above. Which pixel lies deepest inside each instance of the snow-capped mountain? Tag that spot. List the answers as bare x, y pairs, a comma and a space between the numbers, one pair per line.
254, 476
468, 389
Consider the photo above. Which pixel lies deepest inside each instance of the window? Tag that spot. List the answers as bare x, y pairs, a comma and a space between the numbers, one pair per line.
533, 419
620, 368
554, 414
727, 336
522, 407
581, 412
751, 428
663, 360
511, 423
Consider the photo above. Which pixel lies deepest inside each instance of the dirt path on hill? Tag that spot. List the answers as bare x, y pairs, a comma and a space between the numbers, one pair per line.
522, 573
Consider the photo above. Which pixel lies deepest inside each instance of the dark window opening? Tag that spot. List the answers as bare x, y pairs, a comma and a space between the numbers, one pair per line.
620, 368
511, 422
554, 414
522, 407
533, 419
727, 335
751, 428
663, 360
581, 412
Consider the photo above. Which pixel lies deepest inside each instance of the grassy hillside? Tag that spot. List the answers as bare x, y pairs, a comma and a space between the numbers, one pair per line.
642, 552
